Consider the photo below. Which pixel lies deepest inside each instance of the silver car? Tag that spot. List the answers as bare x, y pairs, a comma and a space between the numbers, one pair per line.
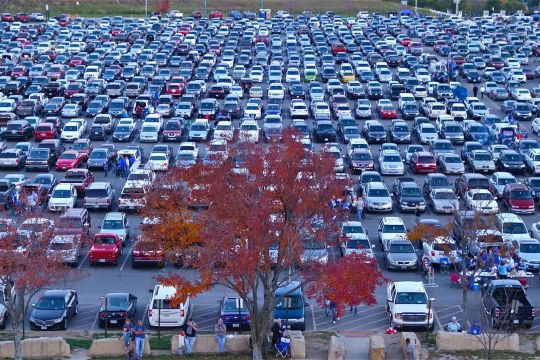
186, 159
71, 110
481, 161
68, 247
451, 164
400, 254
443, 201
378, 197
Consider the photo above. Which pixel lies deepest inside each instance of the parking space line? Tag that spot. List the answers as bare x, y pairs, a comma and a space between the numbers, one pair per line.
362, 318
436, 318
127, 257
83, 260
206, 307
145, 311
94, 322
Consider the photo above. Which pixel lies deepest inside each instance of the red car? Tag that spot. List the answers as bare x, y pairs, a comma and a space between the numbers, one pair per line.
83, 147
76, 60
79, 178
405, 42
147, 252
518, 199
106, 249
70, 159
423, 162
197, 14
216, 49
73, 88
387, 112
22, 17
19, 71
216, 15
45, 131
338, 47
439, 44
175, 90
458, 60
6, 17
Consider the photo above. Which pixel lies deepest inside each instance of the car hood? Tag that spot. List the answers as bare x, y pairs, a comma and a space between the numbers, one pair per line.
382, 199
412, 198
522, 202
118, 232
402, 257
530, 256
47, 314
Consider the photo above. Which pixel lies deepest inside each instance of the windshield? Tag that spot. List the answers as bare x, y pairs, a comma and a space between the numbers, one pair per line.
530, 248
118, 301
401, 248
229, 305
514, 228
293, 302
445, 195
113, 224
378, 193
505, 181
412, 192
521, 195
61, 194
98, 155
394, 229
411, 298
358, 244
51, 303
352, 229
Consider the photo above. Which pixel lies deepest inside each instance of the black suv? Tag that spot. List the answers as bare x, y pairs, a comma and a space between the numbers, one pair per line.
19, 129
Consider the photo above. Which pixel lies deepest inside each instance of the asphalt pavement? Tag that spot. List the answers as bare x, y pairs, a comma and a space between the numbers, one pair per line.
95, 281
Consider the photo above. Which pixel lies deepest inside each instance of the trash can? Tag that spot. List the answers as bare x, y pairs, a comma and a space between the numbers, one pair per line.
262, 13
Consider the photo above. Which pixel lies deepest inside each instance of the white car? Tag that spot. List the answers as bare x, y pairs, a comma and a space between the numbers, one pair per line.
391, 163
292, 75
71, 131
92, 72
224, 130
427, 133
237, 91
252, 111
481, 201
409, 297
158, 162
155, 119
63, 196
149, 133
334, 152
7, 106
189, 146
391, 228
299, 110
440, 248
276, 91
256, 76
532, 161
249, 131
521, 94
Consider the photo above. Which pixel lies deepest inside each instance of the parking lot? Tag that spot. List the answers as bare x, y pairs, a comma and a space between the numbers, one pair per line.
167, 37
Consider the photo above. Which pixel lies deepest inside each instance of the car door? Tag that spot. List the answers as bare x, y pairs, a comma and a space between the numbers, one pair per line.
71, 304
73, 196
126, 226
132, 305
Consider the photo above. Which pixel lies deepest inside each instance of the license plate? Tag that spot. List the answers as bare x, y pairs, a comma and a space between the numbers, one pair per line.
101, 260
516, 321
236, 325
114, 321
403, 267
43, 328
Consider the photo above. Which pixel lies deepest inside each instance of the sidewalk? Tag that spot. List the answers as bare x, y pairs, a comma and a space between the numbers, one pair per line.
356, 345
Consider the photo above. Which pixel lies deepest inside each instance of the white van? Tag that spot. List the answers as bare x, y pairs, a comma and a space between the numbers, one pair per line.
168, 316
404, 98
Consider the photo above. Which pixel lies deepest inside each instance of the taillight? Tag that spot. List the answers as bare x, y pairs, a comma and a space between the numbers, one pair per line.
102, 314
125, 314
149, 312
136, 253
182, 313
533, 312
432, 252
497, 312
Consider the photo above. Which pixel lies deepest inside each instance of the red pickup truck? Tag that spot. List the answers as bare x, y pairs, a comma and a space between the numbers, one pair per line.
106, 249
79, 178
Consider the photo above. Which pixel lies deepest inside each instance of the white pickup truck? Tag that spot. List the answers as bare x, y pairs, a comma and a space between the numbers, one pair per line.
407, 305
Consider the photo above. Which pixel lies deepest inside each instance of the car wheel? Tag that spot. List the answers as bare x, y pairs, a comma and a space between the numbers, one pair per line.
76, 309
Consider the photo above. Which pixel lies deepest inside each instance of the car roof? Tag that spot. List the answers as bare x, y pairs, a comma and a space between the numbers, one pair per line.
392, 220
509, 217
409, 286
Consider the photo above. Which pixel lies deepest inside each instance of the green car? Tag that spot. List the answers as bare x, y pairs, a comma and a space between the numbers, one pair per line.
310, 75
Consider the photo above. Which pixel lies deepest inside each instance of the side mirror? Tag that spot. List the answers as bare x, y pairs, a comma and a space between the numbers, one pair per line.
33, 305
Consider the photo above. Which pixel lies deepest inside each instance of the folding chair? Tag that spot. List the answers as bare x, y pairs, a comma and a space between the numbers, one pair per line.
283, 348
455, 281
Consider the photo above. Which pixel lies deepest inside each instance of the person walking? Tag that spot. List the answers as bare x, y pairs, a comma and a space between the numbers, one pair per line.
190, 328
32, 201
106, 168
276, 332
333, 309
410, 350
140, 335
482, 91
120, 166
128, 333
361, 208
126, 166
354, 308
475, 90
221, 331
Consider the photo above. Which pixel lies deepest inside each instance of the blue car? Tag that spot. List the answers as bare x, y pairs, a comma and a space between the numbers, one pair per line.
234, 317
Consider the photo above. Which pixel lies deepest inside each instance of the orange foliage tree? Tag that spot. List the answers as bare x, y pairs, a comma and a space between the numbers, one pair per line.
250, 233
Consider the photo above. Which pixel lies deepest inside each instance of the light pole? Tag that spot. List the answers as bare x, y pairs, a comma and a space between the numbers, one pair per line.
457, 6
415, 7
430, 303
145, 8
205, 8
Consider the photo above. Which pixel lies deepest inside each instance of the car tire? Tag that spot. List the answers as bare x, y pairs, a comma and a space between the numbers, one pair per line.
76, 312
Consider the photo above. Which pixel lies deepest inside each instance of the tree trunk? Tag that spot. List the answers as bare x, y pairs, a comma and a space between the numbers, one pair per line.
256, 351
17, 342
464, 283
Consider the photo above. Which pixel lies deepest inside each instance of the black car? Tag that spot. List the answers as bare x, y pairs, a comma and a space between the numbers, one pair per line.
375, 133
473, 76
233, 317
400, 132
97, 132
19, 129
410, 110
533, 184
409, 195
510, 161
39, 159
232, 109
522, 111
324, 131
296, 91
123, 133
54, 309
374, 92
116, 308
436, 181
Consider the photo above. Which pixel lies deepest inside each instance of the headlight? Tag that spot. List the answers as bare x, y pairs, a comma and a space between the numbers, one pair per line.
56, 321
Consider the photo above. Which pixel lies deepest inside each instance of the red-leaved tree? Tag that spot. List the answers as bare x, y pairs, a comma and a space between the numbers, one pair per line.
253, 223
26, 268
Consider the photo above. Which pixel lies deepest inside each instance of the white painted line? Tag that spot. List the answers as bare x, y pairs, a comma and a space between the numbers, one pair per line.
340, 319
127, 257
313, 318
145, 312
204, 308
436, 318
94, 322
83, 260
